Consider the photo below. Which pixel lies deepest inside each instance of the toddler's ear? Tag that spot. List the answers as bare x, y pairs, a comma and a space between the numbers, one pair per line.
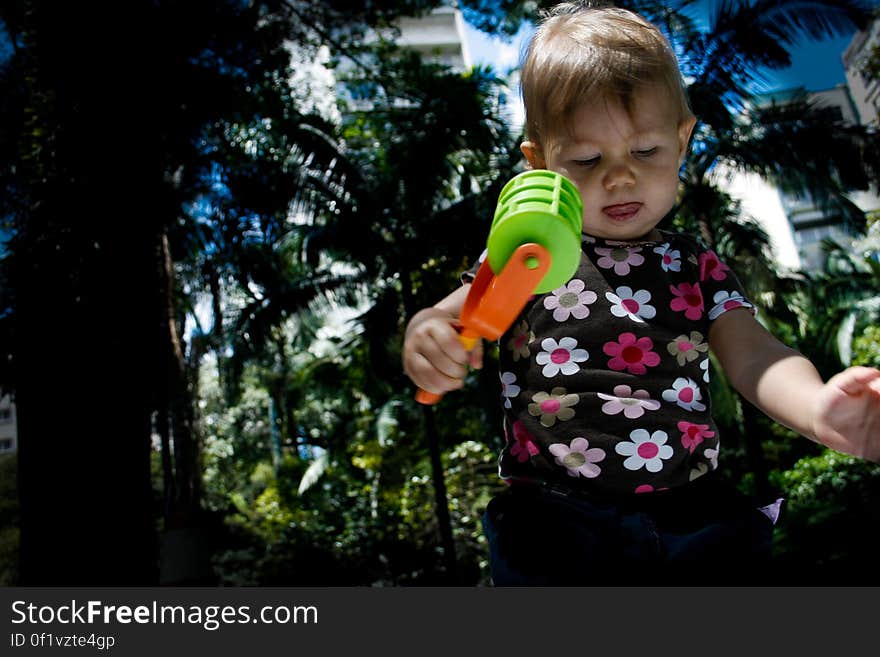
534, 154
685, 128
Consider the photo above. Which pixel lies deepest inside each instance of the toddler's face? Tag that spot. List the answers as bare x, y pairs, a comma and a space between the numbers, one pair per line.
624, 164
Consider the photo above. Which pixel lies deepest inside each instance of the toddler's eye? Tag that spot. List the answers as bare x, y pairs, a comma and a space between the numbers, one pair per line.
588, 162
646, 152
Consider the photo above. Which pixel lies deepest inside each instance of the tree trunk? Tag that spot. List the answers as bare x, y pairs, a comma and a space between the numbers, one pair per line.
441, 499
185, 553
755, 451
87, 360
186, 449
87, 353
441, 503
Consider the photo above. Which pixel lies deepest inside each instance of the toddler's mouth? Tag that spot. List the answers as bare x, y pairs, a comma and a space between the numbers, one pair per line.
622, 211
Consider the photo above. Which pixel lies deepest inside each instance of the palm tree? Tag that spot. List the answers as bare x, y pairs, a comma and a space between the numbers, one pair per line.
110, 135
423, 164
839, 303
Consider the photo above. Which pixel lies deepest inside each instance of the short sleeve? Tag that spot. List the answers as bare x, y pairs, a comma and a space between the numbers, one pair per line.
720, 287
468, 275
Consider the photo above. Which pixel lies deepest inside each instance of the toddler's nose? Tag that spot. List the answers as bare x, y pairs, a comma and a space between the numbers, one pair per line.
618, 175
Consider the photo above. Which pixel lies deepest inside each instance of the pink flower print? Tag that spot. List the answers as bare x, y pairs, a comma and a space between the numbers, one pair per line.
626, 303
560, 357
570, 300
645, 450
631, 354
577, 459
524, 446
687, 298
725, 301
712, 267
619, 258
508, 388
554, 406
686, 348
670, 259
685, 393
633, 404
519, 341
647, 488
693, 434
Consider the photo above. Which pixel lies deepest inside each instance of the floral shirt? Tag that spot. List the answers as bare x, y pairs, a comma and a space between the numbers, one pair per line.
605, 379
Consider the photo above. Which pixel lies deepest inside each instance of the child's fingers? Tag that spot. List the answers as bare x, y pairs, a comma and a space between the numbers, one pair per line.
427, 377
437, 357
475, 357
449, 364
853, 380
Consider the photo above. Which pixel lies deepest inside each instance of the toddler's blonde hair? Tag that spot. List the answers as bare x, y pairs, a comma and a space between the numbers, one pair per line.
583, 54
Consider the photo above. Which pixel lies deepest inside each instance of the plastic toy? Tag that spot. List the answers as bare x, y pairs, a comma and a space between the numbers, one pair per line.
534, 246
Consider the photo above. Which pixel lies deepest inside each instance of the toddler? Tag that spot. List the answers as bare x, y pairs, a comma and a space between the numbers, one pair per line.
611, 449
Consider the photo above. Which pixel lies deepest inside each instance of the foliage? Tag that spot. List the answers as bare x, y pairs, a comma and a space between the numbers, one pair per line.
828, 531
866, 347
312, 239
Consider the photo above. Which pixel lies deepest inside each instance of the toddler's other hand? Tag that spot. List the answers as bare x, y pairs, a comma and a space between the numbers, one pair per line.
848, 413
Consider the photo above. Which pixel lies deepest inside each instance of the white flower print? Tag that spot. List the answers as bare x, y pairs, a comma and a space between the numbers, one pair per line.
577, 459
645, 450
619, 258
704, 365
724, 301
702, 468
712, 455
570, 300
686, 393
670, 259
560, 357
626, 303
509, 389
587, 239
633, 404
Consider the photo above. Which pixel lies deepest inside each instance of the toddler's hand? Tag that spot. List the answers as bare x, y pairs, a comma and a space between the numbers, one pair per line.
433, 356
848, 413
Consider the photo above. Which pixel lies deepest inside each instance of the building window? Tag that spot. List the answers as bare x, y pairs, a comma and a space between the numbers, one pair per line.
6, 445
5, 415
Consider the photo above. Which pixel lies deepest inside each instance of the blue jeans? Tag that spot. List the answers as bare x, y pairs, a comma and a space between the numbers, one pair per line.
703, 533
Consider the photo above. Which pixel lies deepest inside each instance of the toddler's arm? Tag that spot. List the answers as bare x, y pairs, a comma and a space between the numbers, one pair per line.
433, 356
842, 413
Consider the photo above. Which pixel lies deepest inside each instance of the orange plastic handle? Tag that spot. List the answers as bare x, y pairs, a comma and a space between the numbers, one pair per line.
493, 302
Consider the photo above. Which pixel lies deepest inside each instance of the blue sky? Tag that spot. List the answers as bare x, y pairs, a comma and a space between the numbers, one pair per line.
815, 65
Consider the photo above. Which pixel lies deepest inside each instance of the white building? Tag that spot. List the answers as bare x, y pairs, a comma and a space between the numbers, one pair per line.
865, 91
8, 428
795, 224
438, 37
